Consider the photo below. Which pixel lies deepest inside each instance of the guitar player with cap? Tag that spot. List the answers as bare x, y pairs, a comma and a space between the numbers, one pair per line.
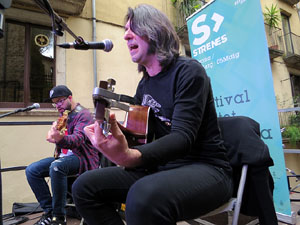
185, 167
74, 155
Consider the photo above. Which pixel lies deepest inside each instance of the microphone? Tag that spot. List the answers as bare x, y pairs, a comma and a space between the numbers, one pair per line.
28, 108
105, 45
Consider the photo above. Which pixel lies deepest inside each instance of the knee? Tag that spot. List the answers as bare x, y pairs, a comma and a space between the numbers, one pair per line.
140, 199
31, 171
57, 167
81, 191
149, 203
28, 170
77, 187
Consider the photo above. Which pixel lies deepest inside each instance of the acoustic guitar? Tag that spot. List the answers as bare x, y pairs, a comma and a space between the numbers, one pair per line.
61, 126
135, 127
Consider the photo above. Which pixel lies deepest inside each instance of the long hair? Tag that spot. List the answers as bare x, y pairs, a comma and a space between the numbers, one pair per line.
147, 21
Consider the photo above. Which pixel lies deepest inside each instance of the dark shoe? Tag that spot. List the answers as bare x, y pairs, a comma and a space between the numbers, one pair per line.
45, 219
58, 220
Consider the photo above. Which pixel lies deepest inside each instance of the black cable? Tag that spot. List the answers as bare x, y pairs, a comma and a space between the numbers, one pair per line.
56, 27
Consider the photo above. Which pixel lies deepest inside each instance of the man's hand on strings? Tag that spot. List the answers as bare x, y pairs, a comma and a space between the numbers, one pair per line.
54, 135
114, 146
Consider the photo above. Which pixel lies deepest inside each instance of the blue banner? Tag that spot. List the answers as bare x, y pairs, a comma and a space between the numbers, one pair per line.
228, 38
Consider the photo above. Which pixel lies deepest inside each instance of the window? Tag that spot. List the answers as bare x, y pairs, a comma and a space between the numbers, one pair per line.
287, 33
295, 83
27, 64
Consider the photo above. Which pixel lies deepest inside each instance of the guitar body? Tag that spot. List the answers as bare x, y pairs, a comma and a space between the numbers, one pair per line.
136, 126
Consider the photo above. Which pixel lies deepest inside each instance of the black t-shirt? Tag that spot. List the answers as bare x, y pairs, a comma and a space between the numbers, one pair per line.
185, 120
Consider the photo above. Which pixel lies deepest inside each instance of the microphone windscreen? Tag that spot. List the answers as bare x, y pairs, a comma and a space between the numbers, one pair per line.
36, 105
108, 45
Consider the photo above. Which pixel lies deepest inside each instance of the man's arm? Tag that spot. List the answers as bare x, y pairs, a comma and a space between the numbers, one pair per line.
77, 138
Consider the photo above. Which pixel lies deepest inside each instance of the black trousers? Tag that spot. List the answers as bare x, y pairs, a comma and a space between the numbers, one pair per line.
161, 198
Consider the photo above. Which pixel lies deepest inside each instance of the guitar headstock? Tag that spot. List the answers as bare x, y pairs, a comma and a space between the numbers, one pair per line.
102, 104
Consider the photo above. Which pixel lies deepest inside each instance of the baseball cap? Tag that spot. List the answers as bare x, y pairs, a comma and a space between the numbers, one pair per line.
59, 91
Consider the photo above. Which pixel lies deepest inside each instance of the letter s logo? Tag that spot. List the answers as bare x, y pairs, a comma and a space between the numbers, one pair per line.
202, 29
205, 29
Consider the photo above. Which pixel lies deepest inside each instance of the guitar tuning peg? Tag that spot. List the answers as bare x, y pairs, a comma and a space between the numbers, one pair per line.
110, 84
103, 84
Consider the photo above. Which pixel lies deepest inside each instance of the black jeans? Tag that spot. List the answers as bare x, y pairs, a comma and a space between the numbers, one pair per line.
160, 198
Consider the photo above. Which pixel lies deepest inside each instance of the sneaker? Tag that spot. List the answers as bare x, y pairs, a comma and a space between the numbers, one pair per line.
58, 220
45, 219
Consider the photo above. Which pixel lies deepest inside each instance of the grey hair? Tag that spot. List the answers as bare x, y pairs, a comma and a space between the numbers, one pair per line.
146, 21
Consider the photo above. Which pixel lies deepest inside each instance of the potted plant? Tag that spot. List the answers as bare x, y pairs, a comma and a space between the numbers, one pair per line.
292, 134
272, 16
272, 19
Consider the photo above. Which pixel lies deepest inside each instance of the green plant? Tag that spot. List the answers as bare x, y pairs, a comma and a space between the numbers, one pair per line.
296, 100
272, 16
293, 133
187, 7
295, 120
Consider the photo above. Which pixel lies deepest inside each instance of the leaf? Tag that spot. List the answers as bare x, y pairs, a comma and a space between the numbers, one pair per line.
187, 7
272, 16
174, 2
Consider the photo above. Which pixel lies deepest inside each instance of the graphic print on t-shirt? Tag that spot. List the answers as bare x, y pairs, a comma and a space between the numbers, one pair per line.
148, 100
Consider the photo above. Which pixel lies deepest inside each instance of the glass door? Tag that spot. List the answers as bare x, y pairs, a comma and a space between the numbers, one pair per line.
287, 34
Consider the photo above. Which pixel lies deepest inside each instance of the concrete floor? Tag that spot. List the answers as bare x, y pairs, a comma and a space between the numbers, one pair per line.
216, 220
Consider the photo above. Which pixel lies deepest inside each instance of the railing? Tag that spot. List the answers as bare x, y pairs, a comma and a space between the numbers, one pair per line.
291, 2
292, 44
286, 114
284, 118
274, 38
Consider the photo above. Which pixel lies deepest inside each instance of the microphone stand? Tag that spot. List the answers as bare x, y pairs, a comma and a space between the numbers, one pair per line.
58, 23
9, 113
57, 26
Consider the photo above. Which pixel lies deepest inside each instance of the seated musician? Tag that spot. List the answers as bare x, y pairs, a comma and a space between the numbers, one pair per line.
184, 172
74, 155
